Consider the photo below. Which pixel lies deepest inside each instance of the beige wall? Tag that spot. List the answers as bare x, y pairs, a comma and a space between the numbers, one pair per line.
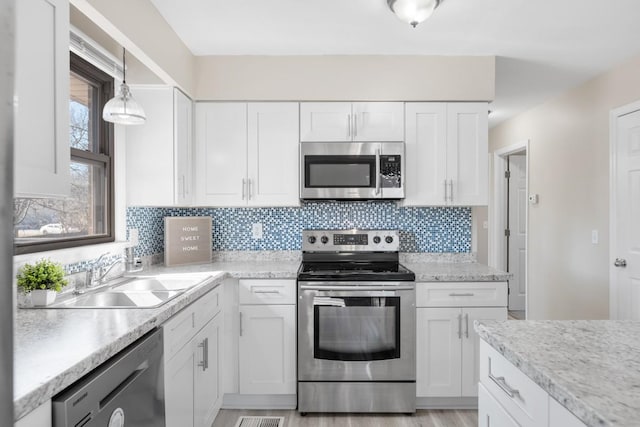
569, 169
326, 78
139, 27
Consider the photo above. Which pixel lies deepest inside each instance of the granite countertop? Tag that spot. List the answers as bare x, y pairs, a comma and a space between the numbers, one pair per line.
592, 367
455, 271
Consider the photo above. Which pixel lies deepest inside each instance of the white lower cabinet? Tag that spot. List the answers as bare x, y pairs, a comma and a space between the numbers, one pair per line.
192, 371
510, 398
447, 346
39, 417
267, 342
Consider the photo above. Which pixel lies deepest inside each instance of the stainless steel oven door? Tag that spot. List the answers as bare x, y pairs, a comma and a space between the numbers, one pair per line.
356, 331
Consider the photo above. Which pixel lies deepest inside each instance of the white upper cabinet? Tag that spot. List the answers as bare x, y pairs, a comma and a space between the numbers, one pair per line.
42, 152
247, 153
160, 152
447, 154
346, 121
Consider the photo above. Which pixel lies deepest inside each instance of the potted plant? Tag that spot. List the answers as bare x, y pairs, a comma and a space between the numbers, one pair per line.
43, 280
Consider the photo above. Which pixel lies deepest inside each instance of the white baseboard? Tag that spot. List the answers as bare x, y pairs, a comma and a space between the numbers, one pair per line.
259, 401
447, 403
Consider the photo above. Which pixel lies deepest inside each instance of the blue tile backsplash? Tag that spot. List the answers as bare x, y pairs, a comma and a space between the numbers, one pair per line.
432, 229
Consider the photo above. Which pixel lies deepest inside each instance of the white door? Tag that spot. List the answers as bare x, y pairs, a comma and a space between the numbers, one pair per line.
518, 231
468, 153
42, 153
378, 121
221, 153
491, 413
179, 387
267, 348
426, 153
438, 352
626, 279
471, 345
183, 148
325, 121
207, 378
273, 154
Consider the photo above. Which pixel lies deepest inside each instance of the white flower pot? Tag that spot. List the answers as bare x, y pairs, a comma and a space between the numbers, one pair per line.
43, 297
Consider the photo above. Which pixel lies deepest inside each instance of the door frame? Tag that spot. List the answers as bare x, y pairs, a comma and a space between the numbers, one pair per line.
614, 114
497, 213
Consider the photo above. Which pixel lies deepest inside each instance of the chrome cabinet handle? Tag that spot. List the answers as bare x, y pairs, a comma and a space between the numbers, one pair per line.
619, 262
205, 354
459, 326
466, 322
377, 171
249, 188
451, 190
445, 190
240, 323
261, 291
244, 183
355, 125
469, 294
502, 383
349, 125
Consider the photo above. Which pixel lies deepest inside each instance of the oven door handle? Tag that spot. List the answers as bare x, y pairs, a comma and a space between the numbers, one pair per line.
355, 288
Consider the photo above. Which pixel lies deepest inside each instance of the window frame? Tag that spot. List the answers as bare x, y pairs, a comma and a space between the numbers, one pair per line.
105, 134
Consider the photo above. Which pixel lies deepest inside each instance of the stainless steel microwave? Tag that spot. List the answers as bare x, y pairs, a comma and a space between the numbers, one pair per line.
351, 170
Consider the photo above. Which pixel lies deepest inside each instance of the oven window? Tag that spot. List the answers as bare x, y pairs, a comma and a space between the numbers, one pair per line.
340, 171
357, 328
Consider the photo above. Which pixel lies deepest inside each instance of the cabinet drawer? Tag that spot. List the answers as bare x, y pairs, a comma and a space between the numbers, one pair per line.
523, 399
461, 294
183, 326
490, 412
267, 291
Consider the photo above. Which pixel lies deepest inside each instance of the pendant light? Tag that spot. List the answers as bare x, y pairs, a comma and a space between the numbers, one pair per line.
122, 108
413, 12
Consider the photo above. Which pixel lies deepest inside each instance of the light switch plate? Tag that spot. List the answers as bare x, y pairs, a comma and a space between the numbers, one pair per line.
256, 230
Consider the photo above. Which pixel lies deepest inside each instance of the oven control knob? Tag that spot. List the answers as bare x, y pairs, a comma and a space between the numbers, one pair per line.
324, 240
311, 239
376, 239
388, 239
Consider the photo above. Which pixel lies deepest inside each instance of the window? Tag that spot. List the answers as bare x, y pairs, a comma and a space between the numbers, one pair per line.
86, 216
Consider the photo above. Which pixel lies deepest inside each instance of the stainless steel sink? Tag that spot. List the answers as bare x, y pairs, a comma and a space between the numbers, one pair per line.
133, 292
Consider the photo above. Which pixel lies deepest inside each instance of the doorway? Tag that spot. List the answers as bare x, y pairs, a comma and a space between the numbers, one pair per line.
509, 215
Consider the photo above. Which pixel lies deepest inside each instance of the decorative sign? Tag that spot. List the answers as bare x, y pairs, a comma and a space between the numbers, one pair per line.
187, 240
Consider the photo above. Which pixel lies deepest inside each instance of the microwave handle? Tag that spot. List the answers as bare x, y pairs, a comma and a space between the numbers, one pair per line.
377, 172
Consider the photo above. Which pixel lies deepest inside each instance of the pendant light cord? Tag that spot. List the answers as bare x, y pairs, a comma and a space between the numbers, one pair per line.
124, 67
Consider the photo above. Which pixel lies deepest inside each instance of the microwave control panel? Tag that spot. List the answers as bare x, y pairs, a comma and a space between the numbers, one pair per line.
390, 171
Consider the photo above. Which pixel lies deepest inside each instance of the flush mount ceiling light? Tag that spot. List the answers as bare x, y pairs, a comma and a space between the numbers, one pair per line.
413, 12
122, 108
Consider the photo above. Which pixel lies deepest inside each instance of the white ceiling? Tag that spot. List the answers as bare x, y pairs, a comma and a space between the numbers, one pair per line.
543, 47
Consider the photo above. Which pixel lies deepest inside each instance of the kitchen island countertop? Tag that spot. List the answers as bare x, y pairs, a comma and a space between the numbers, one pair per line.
592, 367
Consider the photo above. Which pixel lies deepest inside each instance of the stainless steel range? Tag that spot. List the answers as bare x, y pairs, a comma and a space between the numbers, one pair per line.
356, 323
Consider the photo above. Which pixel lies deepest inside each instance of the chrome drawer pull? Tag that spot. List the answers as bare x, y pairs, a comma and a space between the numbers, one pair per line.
459, 326
502, 383
453, 294
259, 291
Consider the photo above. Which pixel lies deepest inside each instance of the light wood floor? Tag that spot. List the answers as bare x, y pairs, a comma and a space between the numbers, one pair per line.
422, 418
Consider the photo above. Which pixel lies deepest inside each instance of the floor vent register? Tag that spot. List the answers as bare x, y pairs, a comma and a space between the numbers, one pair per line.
260, 422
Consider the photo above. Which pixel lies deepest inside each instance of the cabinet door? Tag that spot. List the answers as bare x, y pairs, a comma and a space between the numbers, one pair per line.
471, 345
273, 154
179, 387
207, 344
378, 121
221, 153
183, 148
149, 150
42, 153
491, 413
438, 352
267, 349
426, 153
325, 121
468, 153
559, 416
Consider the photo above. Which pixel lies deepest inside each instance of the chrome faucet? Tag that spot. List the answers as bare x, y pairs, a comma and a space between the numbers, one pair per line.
99, 269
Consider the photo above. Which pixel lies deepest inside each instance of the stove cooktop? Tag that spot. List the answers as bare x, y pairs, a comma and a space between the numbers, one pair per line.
355, 271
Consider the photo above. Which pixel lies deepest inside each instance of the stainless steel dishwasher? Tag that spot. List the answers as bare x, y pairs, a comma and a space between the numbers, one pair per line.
127, 390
